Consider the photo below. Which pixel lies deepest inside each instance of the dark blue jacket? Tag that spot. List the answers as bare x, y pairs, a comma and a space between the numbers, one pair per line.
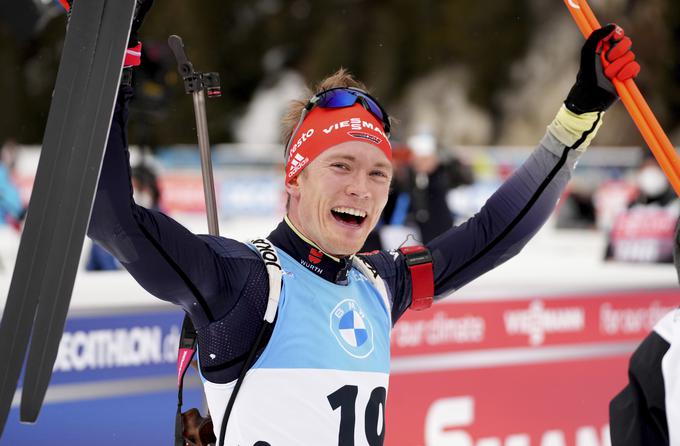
221, 283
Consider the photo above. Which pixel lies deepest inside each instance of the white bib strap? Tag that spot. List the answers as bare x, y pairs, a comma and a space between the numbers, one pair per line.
372, 275
271, 260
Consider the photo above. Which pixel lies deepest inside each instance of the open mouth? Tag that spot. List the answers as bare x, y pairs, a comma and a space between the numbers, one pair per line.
349, 215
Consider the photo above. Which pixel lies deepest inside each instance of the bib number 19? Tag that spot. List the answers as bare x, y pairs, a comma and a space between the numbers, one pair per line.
345, 398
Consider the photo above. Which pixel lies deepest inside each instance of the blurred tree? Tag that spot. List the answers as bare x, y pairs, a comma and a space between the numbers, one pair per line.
386, 43
30, 68
670, 69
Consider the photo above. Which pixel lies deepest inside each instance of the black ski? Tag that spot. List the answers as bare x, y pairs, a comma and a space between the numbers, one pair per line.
73, 217
73, 147
22, 299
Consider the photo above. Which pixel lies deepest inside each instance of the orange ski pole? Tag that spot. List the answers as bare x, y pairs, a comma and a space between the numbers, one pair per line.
637, 107
639, 100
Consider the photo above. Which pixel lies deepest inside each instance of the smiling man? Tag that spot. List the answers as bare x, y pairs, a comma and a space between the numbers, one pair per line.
348, 187
337, 199
322, 367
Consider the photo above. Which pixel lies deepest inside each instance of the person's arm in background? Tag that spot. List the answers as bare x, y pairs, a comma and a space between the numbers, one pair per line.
520, 207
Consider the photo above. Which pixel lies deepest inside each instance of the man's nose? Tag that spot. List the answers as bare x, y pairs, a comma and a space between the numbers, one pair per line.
358, 186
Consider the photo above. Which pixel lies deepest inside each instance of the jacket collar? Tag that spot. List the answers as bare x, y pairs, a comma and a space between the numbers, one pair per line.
308, 254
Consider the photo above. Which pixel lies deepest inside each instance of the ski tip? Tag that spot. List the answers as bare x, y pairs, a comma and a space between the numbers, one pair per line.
31, 403
29, 415
22, 421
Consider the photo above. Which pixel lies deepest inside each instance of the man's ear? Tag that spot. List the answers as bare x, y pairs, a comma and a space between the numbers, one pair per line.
293, 187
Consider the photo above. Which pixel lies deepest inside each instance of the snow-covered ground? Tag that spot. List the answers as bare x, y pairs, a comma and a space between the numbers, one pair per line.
556, 262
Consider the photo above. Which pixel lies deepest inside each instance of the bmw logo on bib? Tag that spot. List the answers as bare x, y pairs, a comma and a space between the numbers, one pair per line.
352, 329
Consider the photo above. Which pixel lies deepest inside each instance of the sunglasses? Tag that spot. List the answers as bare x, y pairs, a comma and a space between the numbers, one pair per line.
342, 97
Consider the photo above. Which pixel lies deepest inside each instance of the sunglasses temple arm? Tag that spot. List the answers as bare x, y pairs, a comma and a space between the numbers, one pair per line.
286, 153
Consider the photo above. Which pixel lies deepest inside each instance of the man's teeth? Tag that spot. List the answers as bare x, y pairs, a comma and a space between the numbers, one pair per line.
350, 211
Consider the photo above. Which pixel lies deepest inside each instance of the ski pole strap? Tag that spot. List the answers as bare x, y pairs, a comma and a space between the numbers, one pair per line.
179, 437
187, 350
419, 263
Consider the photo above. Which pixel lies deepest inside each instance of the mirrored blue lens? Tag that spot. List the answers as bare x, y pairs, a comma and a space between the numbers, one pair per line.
337, 99
341, 98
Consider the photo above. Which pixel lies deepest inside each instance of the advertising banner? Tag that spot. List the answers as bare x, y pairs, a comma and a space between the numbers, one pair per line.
520, 372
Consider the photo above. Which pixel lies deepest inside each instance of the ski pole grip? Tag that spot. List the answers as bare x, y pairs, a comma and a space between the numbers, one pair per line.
185, 67
192, 80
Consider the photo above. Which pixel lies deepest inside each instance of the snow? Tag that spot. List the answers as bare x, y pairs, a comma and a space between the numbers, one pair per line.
555, 262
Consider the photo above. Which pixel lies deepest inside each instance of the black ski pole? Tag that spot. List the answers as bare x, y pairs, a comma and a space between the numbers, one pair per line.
198, 84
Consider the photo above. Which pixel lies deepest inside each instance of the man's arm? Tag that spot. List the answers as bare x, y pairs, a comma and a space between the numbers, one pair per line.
520, 207
525, 201
164, 257
508, 220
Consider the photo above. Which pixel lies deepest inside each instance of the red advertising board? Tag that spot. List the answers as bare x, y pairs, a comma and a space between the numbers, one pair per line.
182, 193
521, 372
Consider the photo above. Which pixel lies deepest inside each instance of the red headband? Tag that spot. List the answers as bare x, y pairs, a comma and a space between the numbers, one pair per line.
324, 128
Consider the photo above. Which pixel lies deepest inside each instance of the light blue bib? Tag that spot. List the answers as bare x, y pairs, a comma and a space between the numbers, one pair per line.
321, 325
324, 374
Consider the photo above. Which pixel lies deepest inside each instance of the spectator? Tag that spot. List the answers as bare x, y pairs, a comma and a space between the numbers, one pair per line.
417, 202
12, 210
644, 232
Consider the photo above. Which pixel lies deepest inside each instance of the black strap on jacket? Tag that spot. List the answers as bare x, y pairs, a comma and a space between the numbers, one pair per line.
187, 350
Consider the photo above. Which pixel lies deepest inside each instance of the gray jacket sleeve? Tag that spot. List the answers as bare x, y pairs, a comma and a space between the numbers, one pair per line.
507, 221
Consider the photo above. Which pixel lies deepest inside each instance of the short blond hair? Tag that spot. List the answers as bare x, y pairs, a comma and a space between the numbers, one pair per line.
339, 79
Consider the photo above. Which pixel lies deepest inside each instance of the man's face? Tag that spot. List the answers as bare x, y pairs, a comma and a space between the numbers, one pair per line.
337, 199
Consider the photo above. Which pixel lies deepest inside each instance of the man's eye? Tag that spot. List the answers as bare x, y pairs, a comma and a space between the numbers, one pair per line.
379, 173
342, 166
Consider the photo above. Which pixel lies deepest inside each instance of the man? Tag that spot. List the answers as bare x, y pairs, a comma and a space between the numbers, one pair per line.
644, 231
321, 373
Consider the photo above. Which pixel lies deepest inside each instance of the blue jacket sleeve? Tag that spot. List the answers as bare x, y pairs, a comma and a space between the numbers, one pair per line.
507, 221
169, 261
504, 225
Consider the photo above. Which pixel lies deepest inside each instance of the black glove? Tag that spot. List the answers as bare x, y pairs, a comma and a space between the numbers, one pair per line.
141, 8
593, 90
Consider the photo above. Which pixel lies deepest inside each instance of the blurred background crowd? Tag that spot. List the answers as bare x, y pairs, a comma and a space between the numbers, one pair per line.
472, 85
